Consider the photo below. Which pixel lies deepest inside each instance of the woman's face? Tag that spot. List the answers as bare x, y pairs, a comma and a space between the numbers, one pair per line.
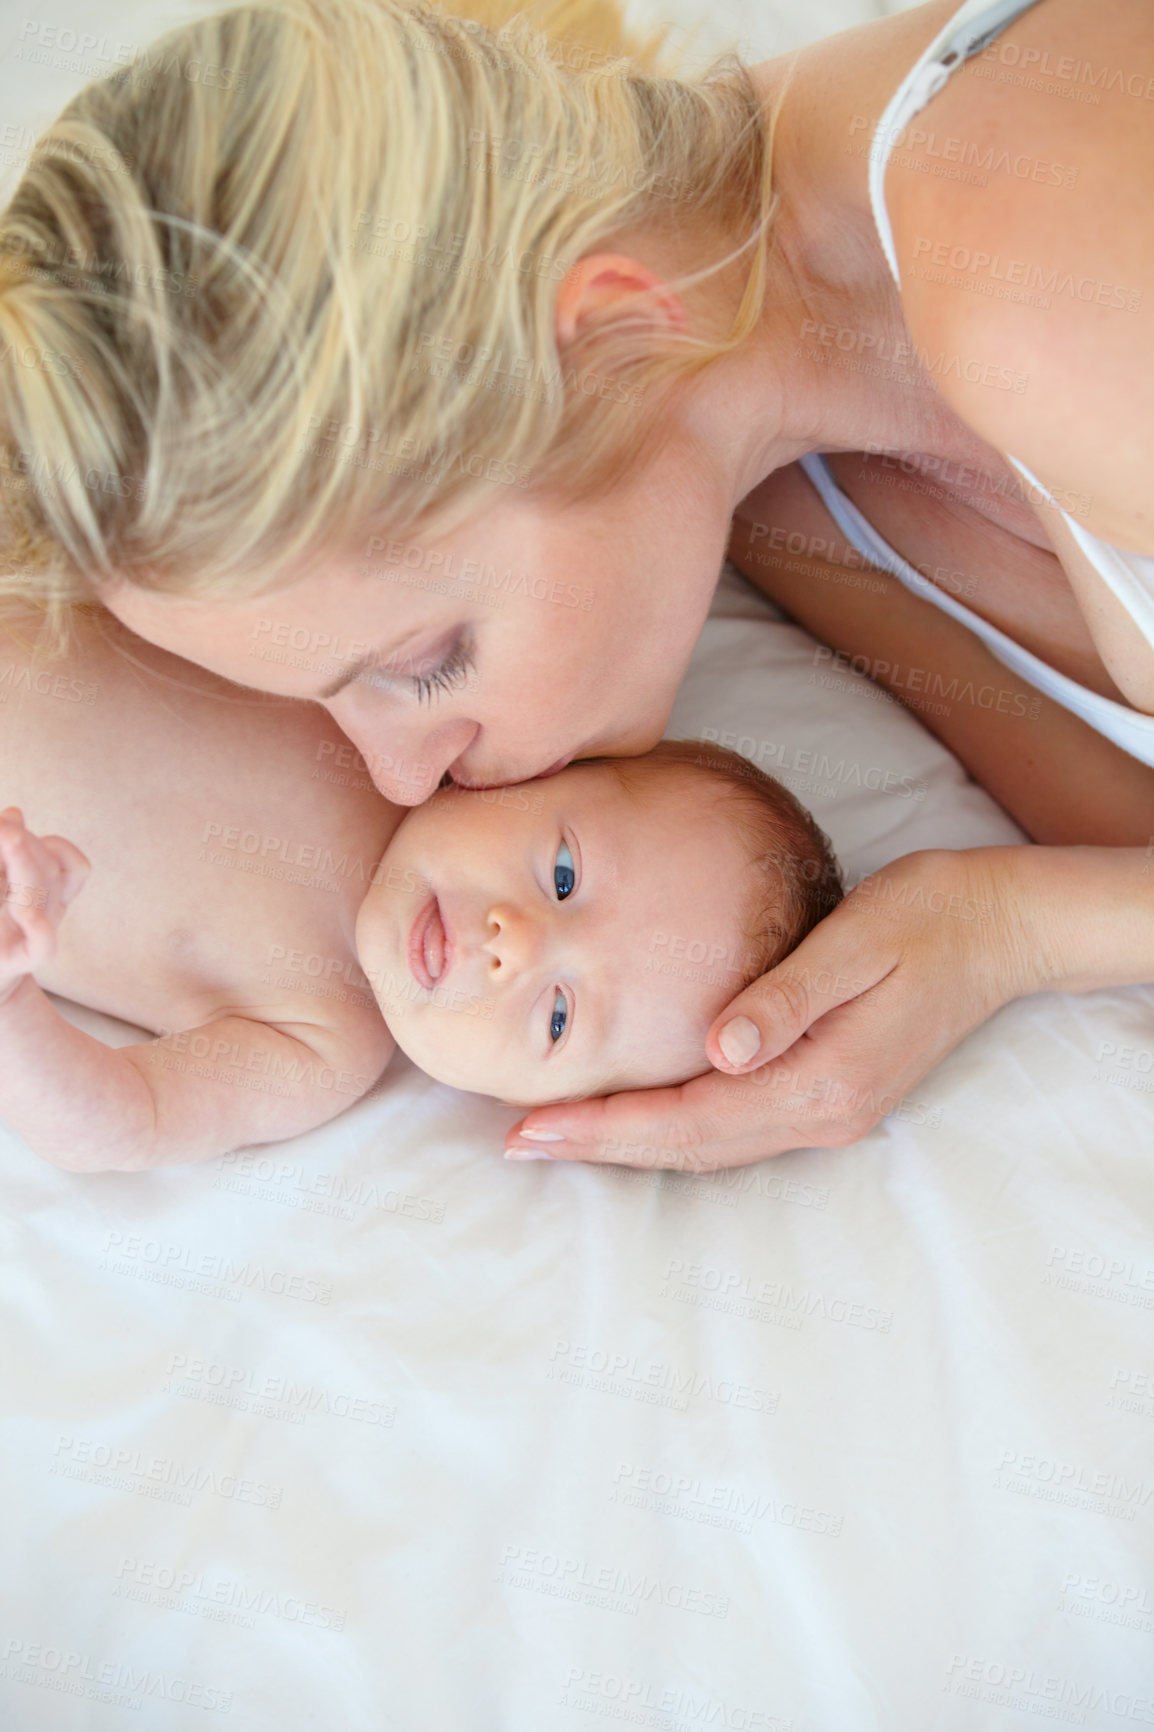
528, 637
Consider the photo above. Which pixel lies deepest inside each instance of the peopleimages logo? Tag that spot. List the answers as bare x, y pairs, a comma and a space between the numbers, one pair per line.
693, 1499
124, 1468
180, 1263
196, 1590
609, 1587
618, 1696
444, 563
650, 1380
1044, 1693
838, 773
238, 1385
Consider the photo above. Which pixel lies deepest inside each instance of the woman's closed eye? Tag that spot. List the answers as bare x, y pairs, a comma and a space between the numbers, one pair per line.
453, 671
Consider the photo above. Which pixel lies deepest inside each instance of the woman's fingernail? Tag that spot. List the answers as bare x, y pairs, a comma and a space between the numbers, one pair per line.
535, 1136
521, 1152
739, 1040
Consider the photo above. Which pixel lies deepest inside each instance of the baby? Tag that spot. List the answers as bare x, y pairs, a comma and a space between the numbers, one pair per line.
257, 904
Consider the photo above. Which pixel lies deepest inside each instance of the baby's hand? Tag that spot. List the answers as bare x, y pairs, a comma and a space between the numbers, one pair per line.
39, 876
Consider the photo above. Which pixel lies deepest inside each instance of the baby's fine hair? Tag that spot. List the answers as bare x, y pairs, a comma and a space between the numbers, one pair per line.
796, 878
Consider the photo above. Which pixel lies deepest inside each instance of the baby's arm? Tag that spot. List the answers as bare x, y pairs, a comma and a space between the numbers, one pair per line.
186, 1097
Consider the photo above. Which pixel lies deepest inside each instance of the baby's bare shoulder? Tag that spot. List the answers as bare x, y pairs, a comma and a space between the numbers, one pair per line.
229, 851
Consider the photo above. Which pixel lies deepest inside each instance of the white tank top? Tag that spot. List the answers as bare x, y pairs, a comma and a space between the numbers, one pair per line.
1130, 576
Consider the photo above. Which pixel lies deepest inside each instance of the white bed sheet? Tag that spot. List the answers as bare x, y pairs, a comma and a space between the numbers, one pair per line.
373, 1430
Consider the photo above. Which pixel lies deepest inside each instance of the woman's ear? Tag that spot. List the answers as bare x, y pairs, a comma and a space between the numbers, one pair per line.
598, 290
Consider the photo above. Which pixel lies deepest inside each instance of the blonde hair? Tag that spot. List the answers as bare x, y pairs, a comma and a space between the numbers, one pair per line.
289, 278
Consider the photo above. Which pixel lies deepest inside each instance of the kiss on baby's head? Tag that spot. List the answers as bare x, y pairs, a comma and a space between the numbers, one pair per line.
578, 935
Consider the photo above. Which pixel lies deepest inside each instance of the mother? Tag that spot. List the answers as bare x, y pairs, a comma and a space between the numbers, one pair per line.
387, 361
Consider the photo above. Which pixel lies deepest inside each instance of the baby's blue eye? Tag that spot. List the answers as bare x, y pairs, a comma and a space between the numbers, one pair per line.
560, 1016
564, 876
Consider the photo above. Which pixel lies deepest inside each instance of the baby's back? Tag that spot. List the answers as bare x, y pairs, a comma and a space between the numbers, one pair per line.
232, 835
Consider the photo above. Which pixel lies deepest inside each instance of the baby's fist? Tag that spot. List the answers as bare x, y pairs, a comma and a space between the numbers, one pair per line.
39, 876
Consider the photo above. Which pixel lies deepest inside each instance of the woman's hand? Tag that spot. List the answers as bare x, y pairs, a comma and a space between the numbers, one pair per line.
816, 1052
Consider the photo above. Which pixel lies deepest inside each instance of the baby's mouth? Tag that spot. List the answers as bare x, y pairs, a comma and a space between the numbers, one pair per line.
429, 946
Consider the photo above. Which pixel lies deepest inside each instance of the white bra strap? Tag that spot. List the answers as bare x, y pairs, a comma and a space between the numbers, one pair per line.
1128, 728
966, 34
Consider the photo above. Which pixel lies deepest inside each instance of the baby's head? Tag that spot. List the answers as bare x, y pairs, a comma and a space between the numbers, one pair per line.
578, 935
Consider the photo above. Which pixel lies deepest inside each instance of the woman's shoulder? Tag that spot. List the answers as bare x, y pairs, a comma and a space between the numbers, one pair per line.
1019, 199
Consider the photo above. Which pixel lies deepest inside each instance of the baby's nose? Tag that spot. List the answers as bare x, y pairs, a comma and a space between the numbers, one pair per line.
513, 942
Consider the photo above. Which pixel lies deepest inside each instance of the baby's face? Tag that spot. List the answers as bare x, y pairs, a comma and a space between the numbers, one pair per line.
531, 942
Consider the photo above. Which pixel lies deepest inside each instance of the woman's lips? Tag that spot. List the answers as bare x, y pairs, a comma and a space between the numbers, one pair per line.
430, 948
537, 776
555, 769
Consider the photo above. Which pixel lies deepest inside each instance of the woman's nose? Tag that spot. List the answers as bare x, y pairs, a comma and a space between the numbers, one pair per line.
406, 767
512, 941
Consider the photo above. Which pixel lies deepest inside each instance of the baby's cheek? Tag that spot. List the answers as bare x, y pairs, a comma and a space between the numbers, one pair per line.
451, 1042
369, 938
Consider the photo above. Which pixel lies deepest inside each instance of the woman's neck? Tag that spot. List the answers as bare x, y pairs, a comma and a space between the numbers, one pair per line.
833, 365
